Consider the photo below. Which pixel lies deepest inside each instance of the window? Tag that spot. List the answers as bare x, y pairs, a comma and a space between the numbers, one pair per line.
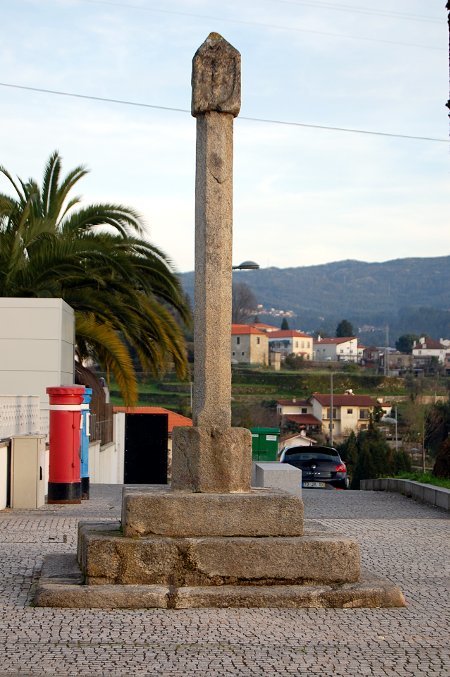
328, 412
234, 353
349, 411
258, 340
238, 339
304, 410
364, 413
242, 354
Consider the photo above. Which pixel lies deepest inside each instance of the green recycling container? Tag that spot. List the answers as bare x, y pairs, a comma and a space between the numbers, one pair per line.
265, 443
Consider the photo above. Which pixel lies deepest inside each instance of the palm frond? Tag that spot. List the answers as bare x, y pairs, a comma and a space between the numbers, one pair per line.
111, 353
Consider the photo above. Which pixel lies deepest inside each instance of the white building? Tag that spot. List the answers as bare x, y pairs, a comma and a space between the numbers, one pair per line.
428, 348
291, 342
343, 349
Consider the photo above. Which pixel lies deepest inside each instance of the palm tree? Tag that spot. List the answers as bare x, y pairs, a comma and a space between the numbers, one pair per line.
122, 288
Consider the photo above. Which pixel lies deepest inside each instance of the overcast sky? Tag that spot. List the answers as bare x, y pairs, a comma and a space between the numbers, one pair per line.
303, 195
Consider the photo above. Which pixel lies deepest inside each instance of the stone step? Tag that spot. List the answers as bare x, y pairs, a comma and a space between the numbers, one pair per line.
60, 586
160, 511
107, 556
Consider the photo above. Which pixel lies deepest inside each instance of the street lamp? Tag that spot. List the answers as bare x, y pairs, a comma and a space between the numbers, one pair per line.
246, 265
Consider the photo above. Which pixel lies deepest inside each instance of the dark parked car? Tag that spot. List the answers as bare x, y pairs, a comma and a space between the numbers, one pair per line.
321, 467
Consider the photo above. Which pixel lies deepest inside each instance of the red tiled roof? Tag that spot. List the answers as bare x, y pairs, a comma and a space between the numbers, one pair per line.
335, 341
173, 420
429, 344
246, 329
303, 419
287, 333
345, 400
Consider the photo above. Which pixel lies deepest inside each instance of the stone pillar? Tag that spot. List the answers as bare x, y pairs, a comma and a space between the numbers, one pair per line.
212, 456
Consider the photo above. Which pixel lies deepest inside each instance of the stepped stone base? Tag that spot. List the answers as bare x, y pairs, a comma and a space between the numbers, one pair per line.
179, 550
61, 586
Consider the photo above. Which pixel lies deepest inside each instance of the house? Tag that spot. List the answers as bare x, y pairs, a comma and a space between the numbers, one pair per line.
427, 347
291, 342
397, 363
299, 414
248, 345
370, 356
350, 413
343, 349
300, 440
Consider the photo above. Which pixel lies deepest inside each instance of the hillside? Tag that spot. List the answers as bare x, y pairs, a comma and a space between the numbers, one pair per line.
409, 295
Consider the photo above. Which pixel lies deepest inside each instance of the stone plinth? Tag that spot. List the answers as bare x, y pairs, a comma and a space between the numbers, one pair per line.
108, 557
214, 460
159, 511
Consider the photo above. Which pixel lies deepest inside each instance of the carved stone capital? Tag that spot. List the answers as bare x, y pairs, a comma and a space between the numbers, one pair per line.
216, 77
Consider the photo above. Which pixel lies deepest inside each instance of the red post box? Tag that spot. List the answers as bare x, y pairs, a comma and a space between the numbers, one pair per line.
64, 484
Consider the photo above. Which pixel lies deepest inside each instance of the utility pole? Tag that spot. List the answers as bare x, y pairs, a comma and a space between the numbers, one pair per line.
448, 10
331, 409
386, 353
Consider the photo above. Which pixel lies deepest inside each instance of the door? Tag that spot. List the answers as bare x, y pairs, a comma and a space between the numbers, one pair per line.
146, 440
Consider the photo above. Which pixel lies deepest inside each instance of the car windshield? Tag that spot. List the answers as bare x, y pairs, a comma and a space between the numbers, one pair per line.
298, 455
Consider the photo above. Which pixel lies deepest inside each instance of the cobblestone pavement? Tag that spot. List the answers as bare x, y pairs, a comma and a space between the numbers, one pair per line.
400, 540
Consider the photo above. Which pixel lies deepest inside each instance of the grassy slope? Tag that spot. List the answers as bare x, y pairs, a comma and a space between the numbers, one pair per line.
251, 387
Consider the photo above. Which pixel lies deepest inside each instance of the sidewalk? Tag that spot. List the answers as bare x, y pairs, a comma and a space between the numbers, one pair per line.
401, 540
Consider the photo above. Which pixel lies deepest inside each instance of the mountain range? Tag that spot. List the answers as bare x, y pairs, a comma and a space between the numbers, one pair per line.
381, 300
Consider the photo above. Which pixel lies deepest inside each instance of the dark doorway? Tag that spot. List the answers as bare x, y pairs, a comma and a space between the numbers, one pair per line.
146, 438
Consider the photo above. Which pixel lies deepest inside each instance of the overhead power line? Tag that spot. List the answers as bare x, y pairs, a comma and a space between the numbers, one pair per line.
352, 9
124, 102
260, 24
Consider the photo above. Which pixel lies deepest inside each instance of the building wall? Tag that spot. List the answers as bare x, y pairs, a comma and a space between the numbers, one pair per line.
347, 350
37, 338
349, 421
250, 349
298, 345
324, 351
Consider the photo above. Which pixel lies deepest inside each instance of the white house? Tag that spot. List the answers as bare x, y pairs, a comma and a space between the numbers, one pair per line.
291, 342
343, 349
350, 412
427, 347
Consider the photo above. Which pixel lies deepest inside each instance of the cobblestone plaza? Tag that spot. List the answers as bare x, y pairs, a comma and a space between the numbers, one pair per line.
400, 540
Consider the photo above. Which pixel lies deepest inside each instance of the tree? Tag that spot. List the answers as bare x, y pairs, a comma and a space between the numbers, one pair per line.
284, 324
348, 450
442, 464
405, 342
293, 361
244, 302
373, 457
123, 289
344, 329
